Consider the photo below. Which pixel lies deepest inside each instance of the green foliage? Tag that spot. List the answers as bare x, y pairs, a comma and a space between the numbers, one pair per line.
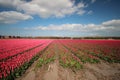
62, 63
73, 64
78, 66
116, 61
49, 60
105, 58
82, 59
92, 60
41, 61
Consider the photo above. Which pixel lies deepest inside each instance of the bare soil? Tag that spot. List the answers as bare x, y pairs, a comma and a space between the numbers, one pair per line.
53, 71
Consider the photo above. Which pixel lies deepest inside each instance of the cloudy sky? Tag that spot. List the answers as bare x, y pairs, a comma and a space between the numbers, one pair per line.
60, 17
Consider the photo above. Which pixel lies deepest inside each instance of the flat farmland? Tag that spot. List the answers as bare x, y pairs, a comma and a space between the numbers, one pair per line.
59, 59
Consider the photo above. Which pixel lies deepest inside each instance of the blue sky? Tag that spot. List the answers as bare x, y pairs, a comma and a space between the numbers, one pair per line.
74, 18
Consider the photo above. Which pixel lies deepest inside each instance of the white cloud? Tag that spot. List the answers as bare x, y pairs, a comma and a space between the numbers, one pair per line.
81, 12
10, 3
84, 28
112, 23
90, 12
70, 27
13, 17
93, 1
46, 8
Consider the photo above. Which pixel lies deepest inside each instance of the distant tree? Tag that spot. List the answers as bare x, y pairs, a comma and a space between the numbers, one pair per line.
3, 37
10, 36
18, 36
14, 37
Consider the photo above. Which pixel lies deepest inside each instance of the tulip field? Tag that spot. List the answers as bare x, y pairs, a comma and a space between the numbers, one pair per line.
17, 55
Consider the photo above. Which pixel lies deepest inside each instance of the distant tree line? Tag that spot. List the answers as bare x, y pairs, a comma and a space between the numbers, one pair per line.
8, 37
30, 37
96, 38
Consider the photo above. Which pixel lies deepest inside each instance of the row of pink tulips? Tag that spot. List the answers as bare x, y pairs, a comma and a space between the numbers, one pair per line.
9, 65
